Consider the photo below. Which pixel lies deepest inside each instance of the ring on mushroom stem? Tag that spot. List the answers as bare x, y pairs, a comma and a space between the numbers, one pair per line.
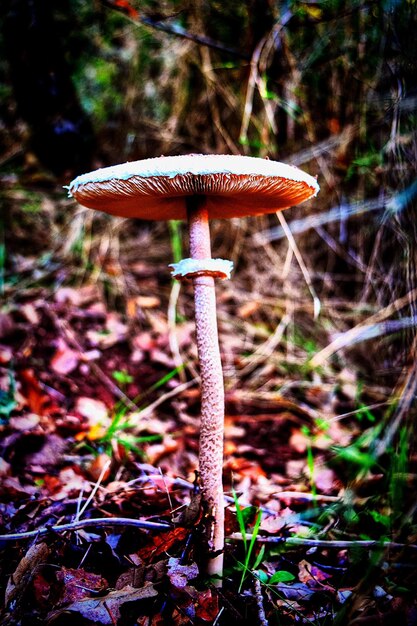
188, 268
199, 188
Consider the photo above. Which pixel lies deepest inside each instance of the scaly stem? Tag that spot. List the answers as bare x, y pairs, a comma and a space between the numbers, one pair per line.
212, 387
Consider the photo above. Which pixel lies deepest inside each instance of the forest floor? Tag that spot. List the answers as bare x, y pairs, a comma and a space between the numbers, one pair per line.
100, 520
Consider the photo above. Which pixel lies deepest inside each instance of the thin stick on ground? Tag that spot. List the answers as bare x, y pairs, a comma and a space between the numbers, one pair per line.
102, 522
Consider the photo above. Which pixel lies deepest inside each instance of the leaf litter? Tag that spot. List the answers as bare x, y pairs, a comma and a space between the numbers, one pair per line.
93, 430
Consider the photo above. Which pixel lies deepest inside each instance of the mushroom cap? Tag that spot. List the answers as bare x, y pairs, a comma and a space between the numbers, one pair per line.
232, 186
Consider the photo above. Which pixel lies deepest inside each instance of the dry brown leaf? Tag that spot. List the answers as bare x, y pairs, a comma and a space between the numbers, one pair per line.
155, 452
148, 302
49, 454
65, 360
24, 422
248, 308
32, 391
6, 355
78, 584
308, 573
78, 297
94, 410
21, 577
102, 462
180, 575
106, 609
324, 479
67, 484
30, 312
273, 524
299, 441
7, 325
4, 467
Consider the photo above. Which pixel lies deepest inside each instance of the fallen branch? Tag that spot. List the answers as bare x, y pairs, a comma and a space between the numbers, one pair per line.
99, 522
260, 602
147, 525
159, 23
324, 543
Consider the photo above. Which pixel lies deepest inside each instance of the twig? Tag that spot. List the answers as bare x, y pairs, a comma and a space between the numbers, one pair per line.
255, 78
172, 29
94, 491
323, 543
172, 328
260, 602
352, 335
300, 495
293, 245
166, 396
404, 396
98, 522
265, 350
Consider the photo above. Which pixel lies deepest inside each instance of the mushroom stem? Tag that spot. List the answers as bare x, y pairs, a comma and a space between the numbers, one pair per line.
212, 386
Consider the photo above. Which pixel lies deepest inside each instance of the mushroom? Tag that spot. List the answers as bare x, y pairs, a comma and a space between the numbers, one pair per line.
199, 188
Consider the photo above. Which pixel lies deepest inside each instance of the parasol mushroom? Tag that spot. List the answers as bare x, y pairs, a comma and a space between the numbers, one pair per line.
199, 188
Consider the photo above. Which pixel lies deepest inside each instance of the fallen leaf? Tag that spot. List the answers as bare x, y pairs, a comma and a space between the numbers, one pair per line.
114, 332
94, 410
101, 463
308, 573
299, 441
30, 313
65, 360
22, 576
38, 401
248, 308
325, 479
4, 467
6, 355
161, 543
41, 589
6, 325
207, 607
49, 454
78, 584
68, 483
148, 302
77, 297
106, 609
24, 422
296, 591
180, 575
155, 452
273, 524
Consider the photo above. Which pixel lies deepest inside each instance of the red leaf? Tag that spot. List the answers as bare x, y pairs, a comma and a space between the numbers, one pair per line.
125, 7
79, 584
162, 543
41, 589
207, 607
38, 401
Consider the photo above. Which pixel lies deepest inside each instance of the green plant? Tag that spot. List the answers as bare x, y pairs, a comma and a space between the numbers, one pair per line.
176, 240
243, 515
398, 473
7, 400
310, 459
122, 377
363, 413
117, 433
